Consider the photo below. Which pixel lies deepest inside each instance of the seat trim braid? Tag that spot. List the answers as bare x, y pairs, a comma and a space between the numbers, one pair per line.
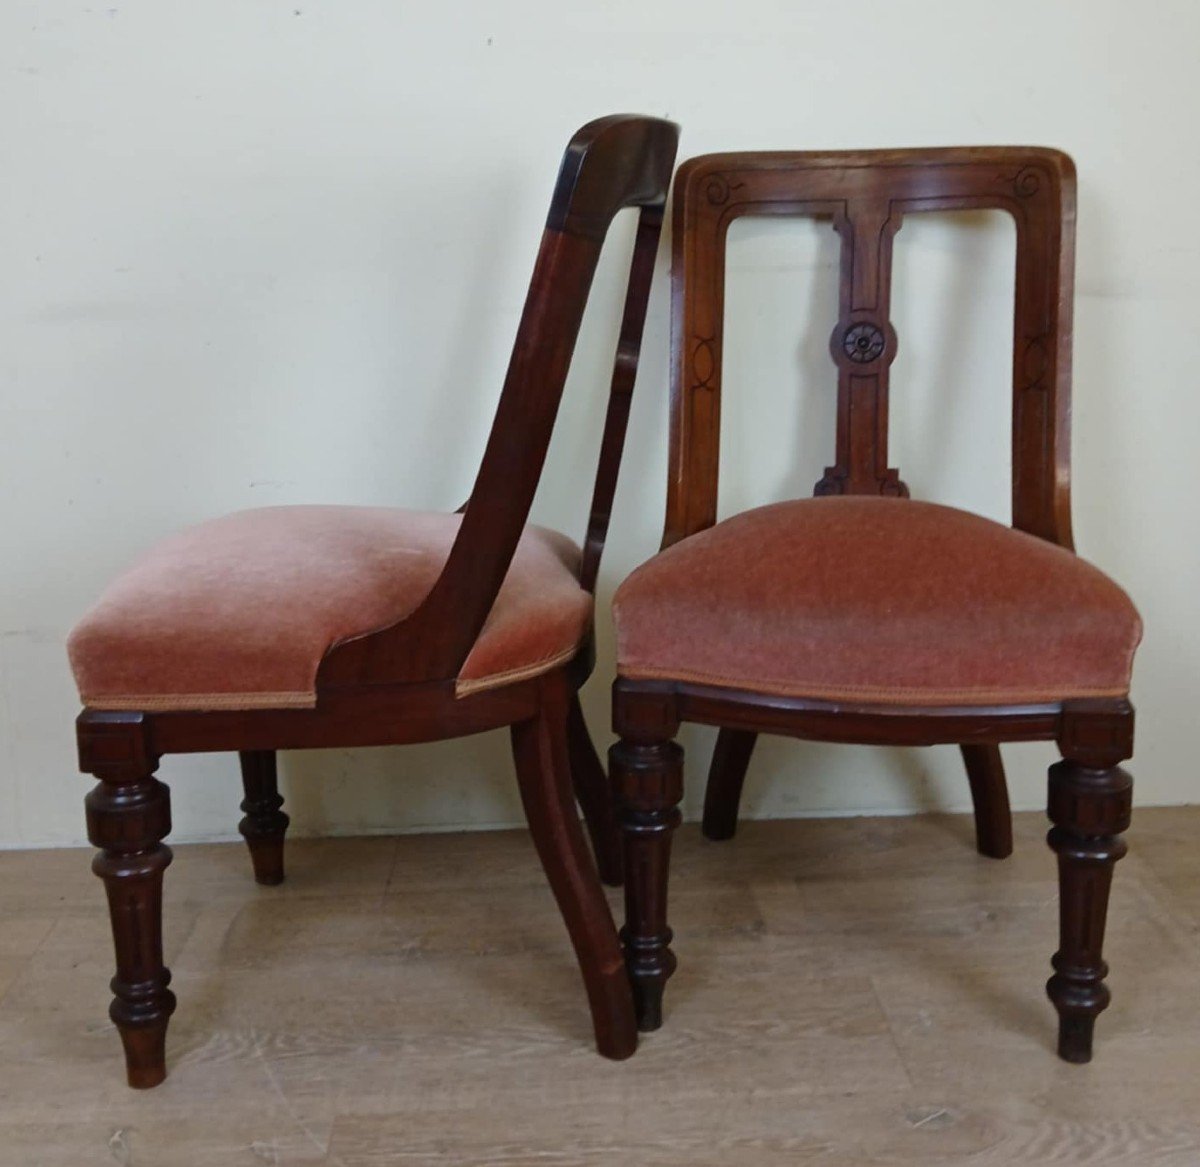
198, 702
511, 676
226, 702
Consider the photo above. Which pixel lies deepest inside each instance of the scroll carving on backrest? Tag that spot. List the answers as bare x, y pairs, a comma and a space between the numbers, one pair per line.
866, 195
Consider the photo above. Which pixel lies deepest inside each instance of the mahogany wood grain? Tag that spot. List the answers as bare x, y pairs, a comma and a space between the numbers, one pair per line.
726, 776
985, 772
989, 793
1089, 803
620, 397
612, 163
396, 685
128, 816
544, 770
866, 195
590, 781
648, 780
265, 823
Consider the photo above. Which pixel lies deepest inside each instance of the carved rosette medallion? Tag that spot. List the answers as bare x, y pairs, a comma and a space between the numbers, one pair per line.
863, 343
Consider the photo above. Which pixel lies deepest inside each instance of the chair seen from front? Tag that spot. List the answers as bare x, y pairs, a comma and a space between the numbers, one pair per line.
861, 615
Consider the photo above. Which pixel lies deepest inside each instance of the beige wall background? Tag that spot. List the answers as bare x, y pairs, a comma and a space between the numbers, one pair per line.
259, 252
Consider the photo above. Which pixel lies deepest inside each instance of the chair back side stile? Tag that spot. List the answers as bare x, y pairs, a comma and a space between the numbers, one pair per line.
866, 196
612, 163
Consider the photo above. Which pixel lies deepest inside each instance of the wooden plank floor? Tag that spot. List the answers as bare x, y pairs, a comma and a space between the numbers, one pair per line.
852, 992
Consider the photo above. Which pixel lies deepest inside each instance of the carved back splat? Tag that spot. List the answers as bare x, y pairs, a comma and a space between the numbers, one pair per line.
866, 194
863, 346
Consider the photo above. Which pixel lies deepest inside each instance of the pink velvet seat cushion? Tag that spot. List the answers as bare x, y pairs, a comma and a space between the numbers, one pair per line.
237, 613
877, 600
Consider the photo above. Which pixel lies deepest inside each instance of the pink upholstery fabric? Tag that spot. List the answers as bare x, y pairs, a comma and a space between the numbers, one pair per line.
876, 600
237, 613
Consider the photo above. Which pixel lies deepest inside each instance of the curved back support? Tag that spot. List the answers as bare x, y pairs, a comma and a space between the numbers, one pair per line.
866, 194
612, 163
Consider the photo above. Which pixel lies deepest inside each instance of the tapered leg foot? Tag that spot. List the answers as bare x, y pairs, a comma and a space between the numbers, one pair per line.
649, 782
145, 1054
544, 776
128, 816
726, 775
649, 964
989, 793
1075, 1038
1089, 805
264, 824
592, 790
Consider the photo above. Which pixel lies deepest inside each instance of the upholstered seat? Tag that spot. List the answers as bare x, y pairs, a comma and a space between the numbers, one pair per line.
876, 600
237, 613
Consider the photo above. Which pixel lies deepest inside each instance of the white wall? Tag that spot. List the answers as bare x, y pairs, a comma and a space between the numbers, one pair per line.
257, 251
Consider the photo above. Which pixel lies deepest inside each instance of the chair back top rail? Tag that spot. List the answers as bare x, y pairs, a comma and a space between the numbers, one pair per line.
612, 163
866, 195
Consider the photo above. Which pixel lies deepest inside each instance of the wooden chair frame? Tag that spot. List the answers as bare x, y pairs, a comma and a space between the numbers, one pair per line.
396, 685
866, 194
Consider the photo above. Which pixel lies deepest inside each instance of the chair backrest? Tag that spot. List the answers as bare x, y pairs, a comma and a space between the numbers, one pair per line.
866, 194
611, 163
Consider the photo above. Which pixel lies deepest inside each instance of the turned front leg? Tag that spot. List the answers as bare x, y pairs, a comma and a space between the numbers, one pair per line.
265, 823
1089, 804
128, 816
648, 779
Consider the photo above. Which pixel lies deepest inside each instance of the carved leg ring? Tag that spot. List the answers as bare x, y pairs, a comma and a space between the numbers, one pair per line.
265, 824
1090, 807
128, 816
649, 784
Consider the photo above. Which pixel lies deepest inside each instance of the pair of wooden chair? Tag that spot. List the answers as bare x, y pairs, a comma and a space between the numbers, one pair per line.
843, 619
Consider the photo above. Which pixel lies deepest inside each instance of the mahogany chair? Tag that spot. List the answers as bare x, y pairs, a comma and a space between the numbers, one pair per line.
860, 615
297, 627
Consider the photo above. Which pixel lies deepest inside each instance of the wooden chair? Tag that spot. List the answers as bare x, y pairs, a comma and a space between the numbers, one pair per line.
298, 627
861, 616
